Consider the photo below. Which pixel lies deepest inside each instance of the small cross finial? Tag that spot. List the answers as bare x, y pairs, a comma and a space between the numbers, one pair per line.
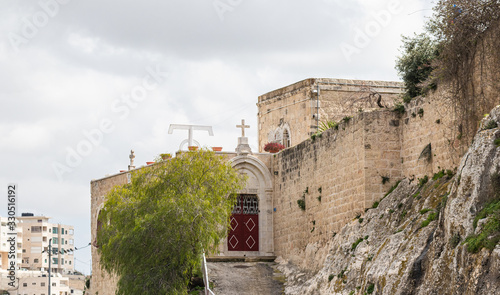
132, 157
243, 126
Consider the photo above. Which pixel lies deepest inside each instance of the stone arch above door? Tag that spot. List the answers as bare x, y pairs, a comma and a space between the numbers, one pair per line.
260, 184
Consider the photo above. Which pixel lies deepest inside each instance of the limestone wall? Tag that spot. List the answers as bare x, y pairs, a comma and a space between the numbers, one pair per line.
431, 120
344, 167
349, 164
101, 282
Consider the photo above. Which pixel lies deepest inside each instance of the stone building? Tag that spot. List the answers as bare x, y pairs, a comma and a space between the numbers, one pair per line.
304, 194
290, 115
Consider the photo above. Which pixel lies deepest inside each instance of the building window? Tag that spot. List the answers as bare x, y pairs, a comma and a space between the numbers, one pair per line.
25, 284
55, 230
55, 241
286, 139
34, 283
42, 284
70, 262
36, 260
36, 229
62, 241
53, 284
55, 260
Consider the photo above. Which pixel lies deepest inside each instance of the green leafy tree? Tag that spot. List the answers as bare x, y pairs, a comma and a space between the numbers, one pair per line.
415, 63
153, 230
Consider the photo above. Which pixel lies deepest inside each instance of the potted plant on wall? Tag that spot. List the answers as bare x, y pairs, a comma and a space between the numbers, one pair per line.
273, 147
166, 156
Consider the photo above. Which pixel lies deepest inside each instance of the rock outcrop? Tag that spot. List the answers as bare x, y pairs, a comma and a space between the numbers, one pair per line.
422, 238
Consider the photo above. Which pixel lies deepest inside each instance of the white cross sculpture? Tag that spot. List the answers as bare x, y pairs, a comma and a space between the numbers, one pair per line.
243, 127
190, 129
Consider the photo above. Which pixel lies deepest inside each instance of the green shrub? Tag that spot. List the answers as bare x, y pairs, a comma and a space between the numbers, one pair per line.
491, 124
422, 181
355, 244
385, 179
414, 65
360, 220
423, 211
375, 204
438, 175
455, 240
403, 214
399, 108
330, 277
370, 288
342, 273
346, 119
421, 113
433, 216
302, 204
497, 142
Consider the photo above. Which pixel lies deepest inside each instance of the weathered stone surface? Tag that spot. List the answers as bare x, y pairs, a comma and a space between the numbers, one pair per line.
235, 278
389, 250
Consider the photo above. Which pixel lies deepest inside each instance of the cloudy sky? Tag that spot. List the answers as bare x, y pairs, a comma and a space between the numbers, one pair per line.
84, 82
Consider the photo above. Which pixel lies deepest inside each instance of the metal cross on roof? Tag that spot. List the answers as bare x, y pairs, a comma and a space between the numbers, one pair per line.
190, 129
243, 126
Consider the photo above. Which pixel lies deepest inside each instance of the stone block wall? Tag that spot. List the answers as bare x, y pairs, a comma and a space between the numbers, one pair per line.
102, 282
344, 167
431, 121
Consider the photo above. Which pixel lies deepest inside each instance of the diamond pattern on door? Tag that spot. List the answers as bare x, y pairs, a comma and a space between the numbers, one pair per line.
234, 223
233, 241
244, 238
250, 242
250, 224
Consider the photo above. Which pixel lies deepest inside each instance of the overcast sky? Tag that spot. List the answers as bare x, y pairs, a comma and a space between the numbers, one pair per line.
84, 82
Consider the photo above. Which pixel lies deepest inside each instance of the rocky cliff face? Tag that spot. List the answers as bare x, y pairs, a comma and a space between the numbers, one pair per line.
434, 237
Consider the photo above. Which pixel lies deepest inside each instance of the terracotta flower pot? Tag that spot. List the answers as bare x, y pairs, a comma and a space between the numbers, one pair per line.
217, 148
149, 163
192, 148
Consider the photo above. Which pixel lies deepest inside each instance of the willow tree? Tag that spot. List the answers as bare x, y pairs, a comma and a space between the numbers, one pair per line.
153, 230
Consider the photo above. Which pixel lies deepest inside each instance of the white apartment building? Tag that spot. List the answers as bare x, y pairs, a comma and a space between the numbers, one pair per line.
5, 244
37, 283
37, 232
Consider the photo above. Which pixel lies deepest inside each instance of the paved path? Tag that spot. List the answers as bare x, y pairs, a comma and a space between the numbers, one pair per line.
245, 278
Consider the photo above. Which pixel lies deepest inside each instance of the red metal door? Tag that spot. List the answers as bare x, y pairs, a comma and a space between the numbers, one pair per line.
244, 231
